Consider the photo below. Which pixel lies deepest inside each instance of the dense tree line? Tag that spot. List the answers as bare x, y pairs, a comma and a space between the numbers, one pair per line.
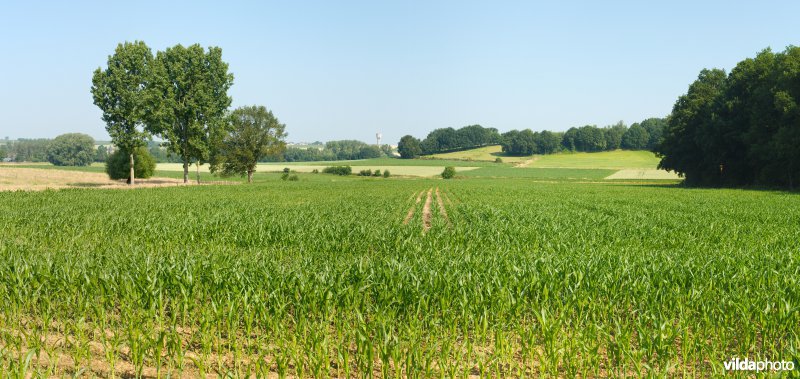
333, 151
741, 128
450, 139
28, 150
589, 138
527, 142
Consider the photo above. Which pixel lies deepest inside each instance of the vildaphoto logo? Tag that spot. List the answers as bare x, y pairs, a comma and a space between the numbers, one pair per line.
736, 364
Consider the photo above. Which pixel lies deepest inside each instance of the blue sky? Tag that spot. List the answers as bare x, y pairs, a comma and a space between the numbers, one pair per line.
346, 69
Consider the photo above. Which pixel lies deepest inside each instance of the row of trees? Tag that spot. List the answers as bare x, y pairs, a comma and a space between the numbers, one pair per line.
640, 136
27, 150
71, 149
590, 138
448, 139
181, 96
742, 128
333, 151
36, 150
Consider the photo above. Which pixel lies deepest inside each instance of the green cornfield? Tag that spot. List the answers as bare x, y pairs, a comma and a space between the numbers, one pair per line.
362, 277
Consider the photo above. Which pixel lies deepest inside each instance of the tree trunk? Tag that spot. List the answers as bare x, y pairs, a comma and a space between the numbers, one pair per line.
185, 171
197, 166
249, 176
131, 178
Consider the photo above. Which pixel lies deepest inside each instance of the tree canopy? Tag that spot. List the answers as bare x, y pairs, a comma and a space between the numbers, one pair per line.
123, 93
192, 84
449, 139
71, 149
118, 164
588, 138
29, 150
635, 138
254, 132
408, 147
742, 128
127, 98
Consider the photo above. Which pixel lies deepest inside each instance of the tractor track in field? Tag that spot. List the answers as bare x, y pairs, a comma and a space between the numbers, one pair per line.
426, 212
427, 215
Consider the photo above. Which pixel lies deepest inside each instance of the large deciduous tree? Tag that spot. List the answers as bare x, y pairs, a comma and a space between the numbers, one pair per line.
71, 149
253, 133
193, 86
682, 148
408, 147
124, 92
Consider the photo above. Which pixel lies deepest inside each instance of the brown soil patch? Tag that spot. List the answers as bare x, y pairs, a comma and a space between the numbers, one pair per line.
34, 179
526, 163
426, 211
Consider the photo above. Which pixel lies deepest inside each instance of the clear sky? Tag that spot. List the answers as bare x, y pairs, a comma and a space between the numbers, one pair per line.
346, 69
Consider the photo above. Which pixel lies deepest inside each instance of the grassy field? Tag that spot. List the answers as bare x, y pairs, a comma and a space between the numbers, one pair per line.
618, 159
333, 276
538, 173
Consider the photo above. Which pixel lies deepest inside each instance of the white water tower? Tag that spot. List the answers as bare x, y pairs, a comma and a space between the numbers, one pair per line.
378, 136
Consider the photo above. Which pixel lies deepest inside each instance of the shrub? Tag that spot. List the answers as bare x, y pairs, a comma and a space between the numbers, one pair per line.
293, 178
315, 171
449, 172
118, 165
285, 176
386, 174
376, 173
498, 160
286, 170
366, 172
338, 170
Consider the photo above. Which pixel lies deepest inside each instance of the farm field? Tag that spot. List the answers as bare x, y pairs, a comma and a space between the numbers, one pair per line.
23, 178
486, 153
617, 159
419, 278
386, 162
644, 174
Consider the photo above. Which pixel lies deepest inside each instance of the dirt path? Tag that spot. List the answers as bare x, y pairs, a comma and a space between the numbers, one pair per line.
426, 212
427, 207
526, 163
